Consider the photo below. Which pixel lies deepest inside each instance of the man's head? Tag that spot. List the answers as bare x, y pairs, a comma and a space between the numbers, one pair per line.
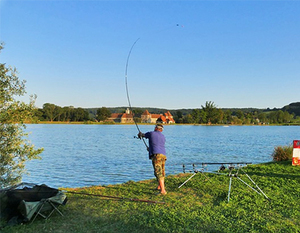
159, 127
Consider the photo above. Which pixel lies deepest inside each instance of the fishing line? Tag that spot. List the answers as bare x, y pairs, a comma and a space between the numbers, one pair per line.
127, 92
126, 82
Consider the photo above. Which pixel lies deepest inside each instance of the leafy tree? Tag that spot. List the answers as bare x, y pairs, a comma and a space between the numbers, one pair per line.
273, 117
52, 111
236, 120
195, 116
262, 117
287, 118
280, 116
188, 119
178, 116
240, 115
137, 112
103, 113
227, 116
39, 115
212, 113
220, 116
203, 116
79, 114
66, 113
297, 120
15, 149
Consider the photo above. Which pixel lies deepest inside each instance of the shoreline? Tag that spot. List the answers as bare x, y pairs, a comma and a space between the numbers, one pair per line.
102, 123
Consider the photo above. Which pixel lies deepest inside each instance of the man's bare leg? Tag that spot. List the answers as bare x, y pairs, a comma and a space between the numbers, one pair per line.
161, 186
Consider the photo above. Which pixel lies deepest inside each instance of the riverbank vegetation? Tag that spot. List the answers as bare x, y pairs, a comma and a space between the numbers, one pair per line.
207, 114
282, 153
199, 206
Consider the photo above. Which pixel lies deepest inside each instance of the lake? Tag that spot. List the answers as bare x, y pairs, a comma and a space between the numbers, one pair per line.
86, 155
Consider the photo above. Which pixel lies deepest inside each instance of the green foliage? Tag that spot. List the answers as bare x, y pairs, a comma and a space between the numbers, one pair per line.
198, 206
282, 153
212, 113
293, 108
52, 112
103, 114
196, 116
15, 149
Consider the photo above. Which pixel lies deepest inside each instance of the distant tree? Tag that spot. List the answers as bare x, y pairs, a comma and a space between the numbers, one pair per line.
212, 113
203, 116
227, 116
236, 120
103, 114
79, 114
67, 113
179, 114
51, 111
15, 149
262, 117
220, 116
137, 112
297, 120
38, 115
178, 117
287, 118
272, 116
280, 116
188, 119
195, 116
240, 115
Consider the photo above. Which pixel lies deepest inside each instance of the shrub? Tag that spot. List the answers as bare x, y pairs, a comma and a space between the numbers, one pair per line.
282, 153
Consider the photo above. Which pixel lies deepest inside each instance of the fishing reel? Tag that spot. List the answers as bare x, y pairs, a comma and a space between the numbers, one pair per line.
140, 135
194, 169
222, 168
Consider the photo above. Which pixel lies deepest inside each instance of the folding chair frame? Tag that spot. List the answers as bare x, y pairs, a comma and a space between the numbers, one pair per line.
40, 209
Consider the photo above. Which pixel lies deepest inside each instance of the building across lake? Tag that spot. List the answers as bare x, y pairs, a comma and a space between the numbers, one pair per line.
165, 118
146, 117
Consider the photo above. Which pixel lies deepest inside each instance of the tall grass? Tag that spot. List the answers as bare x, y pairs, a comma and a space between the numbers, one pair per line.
282, 153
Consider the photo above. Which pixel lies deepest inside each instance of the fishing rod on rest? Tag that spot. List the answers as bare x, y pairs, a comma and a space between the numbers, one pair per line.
127, 92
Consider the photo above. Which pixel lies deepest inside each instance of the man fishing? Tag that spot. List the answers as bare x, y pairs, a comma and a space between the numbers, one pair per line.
157, 153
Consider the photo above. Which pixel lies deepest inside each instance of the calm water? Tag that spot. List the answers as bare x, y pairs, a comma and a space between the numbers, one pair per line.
85, 155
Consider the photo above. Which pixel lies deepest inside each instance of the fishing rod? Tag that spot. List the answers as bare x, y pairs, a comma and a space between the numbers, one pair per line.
231, 163
126, 84
127, 92
116, 197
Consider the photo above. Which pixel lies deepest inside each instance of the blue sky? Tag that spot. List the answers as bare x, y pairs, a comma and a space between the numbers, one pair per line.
234, 53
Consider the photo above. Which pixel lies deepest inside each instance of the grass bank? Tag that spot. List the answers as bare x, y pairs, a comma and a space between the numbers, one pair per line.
199, 206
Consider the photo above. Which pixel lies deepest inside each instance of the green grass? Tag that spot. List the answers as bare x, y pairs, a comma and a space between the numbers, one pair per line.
199, 206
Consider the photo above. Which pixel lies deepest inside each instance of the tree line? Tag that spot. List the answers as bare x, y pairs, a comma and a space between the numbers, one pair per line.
52, 112
207, 114
210, 114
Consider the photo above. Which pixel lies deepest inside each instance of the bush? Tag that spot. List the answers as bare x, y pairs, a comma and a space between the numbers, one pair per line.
282, 153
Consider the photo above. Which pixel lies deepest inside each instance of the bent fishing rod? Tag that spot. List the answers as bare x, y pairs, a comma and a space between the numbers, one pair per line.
115, 197
127, 92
